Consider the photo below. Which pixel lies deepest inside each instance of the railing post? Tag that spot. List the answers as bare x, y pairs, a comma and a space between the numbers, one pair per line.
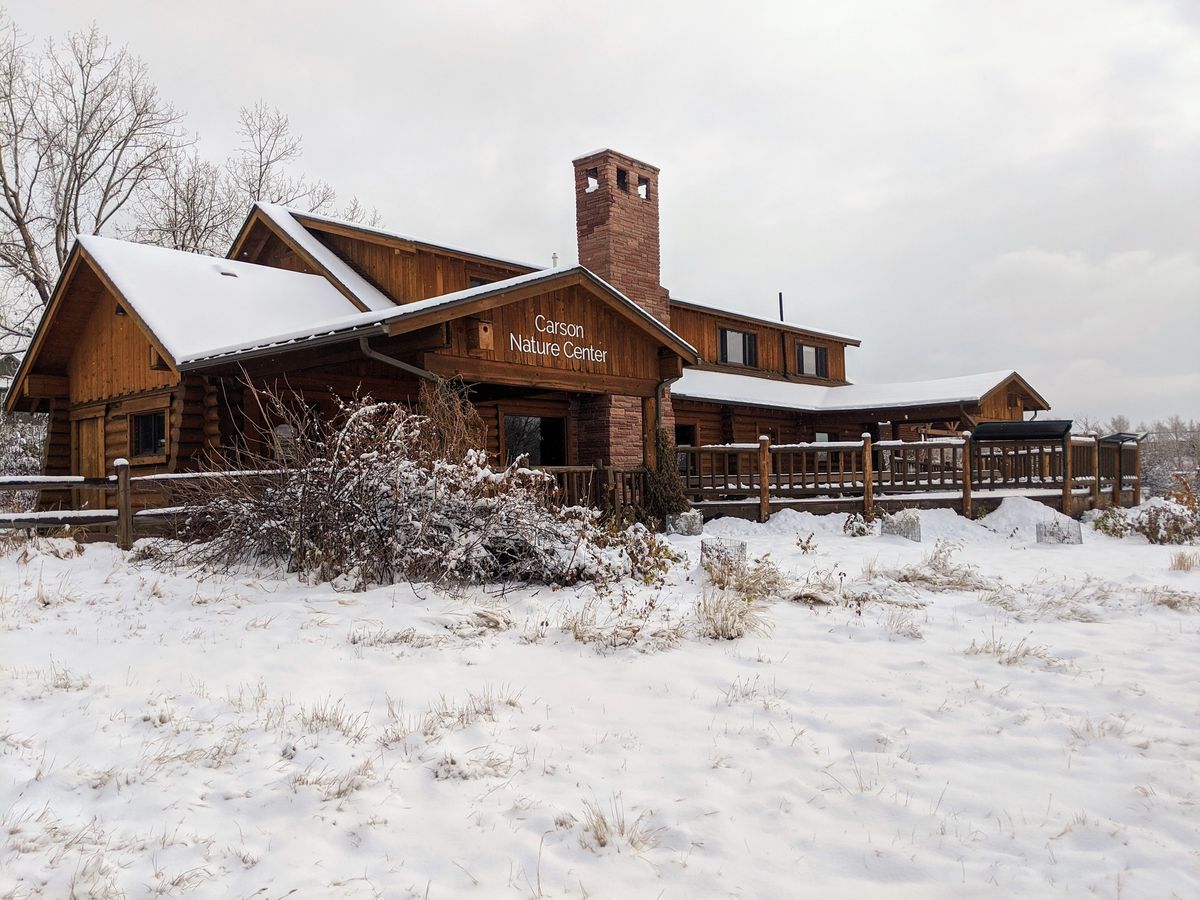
764, 478
1118, 463
966, 475
124, 505
1095, 469
1066, 476
868, 478
1137, 473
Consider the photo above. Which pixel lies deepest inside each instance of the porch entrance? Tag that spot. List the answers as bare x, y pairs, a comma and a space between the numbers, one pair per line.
543, 439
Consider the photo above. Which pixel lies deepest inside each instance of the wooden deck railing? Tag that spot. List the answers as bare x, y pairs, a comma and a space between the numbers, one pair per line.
760, 472
109, 502
867, 469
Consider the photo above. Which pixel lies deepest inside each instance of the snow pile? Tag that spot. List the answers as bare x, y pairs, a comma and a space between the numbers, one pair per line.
1018, 517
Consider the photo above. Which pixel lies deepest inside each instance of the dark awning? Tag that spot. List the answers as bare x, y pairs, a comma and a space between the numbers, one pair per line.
1121, 437
1034, 430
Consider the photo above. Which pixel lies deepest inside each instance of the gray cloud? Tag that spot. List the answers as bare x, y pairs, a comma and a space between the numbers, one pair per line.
966, 186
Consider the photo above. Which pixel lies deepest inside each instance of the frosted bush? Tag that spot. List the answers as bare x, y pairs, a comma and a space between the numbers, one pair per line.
1167, 522
378, 497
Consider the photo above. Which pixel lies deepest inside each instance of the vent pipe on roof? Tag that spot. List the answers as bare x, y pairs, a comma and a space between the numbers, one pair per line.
781, 318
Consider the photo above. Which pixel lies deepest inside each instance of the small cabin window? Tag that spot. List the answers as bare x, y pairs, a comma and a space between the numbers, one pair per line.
593, 181
622, 179
739, 348
813, 361
148, 434
643, 187
821, 437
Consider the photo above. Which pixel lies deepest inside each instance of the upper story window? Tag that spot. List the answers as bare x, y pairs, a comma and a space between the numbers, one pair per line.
739, 348
812, 360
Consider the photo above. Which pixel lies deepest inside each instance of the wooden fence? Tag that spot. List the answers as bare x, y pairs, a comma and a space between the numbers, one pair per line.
866, 469
108, 504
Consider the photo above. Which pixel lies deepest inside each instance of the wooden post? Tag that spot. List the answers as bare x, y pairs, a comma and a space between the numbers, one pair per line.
1118, 461
764, 478
1137, 473
650, 432
1066, 476
124, 506
966, 475
1095, 470
868, 467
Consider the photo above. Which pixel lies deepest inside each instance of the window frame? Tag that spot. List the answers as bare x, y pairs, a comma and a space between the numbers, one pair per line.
131, 429
820, 360
749, 342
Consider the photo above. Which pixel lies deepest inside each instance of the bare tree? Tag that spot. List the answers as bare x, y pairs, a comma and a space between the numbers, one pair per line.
191, 209
82, 132
199, 205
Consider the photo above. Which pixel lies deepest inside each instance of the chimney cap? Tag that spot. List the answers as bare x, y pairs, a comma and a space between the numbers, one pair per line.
632, 161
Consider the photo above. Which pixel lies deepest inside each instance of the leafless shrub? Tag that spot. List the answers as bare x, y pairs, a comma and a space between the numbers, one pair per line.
856, 525
726, 615
1168, 522
1113, 521
368, 498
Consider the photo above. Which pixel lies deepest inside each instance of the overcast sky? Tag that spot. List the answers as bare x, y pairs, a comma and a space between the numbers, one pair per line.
966, 186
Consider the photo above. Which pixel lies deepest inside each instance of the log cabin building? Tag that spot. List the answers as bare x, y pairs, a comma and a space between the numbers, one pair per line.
146, 353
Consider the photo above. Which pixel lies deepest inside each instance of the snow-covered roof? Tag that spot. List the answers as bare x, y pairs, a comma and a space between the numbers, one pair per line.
341, 271
360, 321
295, 218
723, 311
192, 302
730, 387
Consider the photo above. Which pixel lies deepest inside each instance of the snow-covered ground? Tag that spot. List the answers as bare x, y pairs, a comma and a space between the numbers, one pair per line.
1030, 731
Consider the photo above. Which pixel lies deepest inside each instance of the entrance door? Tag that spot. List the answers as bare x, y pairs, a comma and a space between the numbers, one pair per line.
87, 451
542, 438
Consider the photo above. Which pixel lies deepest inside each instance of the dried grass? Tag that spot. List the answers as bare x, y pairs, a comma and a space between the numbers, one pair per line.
602, 829
727, 615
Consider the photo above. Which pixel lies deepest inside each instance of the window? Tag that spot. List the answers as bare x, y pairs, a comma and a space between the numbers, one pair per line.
148, 434
821, 437
542, 439
622, 179
813, 360
643, 187
593, 180
739, 348
685, 435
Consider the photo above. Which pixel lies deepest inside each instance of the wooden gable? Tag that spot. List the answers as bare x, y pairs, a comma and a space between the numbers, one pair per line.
90, 345
568, 334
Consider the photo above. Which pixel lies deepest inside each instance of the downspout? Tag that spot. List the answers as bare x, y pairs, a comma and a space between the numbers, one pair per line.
660, 396
374, 354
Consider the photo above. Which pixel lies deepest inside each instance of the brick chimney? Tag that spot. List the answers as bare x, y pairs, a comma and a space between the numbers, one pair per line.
616, 222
